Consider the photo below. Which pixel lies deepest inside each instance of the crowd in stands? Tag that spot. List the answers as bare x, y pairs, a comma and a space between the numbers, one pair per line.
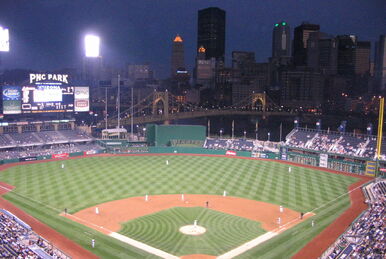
366, 237
333, 142
47, 150
42, 137
17, 240
239, 144
44, 143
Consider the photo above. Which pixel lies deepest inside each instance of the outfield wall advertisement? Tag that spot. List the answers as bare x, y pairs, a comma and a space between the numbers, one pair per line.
81, 99
323, 160
63, 155
11, 99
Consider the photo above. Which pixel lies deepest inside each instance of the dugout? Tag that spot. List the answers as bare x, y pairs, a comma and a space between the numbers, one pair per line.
164, 135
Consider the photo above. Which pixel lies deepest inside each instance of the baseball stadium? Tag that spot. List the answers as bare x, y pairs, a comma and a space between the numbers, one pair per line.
179, 193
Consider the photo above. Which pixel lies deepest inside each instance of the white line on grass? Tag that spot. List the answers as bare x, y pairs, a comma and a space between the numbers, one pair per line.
142, 246
246, 246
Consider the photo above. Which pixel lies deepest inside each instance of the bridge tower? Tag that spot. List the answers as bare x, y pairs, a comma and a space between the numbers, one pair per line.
261, 99
162, 97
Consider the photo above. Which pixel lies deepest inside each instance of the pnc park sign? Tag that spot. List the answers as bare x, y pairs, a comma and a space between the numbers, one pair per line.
34, 78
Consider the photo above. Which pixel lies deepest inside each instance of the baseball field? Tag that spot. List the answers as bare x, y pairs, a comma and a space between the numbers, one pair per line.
45, 189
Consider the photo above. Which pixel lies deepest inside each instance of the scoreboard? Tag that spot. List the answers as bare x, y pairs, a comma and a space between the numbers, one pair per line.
46, 93
47, 98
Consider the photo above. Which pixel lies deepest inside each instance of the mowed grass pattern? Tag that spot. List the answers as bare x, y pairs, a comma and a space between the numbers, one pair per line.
90, 181
161, 230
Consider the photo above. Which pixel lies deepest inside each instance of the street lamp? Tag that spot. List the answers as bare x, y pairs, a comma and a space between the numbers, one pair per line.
245, 134
220, 133
144, 132
269, 136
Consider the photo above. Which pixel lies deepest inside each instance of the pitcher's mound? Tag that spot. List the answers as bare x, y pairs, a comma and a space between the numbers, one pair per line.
192, 230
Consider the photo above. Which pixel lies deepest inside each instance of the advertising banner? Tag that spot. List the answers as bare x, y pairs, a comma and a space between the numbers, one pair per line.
63, 155
82, 99
30, 158
323, 160
11, 99
90, 152
231, 153
370, 168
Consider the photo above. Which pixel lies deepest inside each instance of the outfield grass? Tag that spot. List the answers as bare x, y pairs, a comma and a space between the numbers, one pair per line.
45, 189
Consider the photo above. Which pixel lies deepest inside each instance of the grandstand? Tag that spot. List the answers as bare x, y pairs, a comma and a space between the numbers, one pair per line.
340, 143
366, 237
43, 139
240, 145
17, 240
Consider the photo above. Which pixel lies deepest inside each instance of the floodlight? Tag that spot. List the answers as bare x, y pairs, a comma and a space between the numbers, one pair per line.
92, 43
4, 39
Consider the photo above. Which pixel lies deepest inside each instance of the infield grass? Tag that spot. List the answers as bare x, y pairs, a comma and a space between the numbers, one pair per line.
45, 189
223, 231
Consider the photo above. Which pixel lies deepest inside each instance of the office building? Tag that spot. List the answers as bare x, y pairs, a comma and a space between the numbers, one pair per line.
362, 58
322, 53
204, 72
301, 36
177, 60
346, 54
380, 64
211, 32
139, 72
302, 87
281, 40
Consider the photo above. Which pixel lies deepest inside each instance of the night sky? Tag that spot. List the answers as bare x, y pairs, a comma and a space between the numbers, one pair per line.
48, 34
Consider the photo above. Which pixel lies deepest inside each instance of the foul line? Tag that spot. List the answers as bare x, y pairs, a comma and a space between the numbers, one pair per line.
143, 246
28, 198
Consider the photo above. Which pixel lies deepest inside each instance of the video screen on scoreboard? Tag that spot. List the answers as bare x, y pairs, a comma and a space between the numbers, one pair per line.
47, 97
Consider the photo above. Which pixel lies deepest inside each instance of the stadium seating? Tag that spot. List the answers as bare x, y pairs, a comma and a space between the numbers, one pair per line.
17, 240
43, 137
239, 145
47, 150
334, 142
44, 143
25, 139
366, 237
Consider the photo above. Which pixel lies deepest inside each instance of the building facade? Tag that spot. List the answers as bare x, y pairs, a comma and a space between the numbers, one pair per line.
211, 32
177, 59
281, 40
380, 64
302, 87
301, 36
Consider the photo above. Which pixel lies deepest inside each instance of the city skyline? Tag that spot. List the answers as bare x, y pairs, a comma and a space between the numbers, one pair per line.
126, 37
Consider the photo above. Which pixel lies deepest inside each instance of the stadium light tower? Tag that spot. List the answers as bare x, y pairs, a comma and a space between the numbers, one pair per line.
92, 46
4, 39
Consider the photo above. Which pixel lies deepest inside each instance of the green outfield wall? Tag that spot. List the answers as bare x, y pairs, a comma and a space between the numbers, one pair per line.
162, 135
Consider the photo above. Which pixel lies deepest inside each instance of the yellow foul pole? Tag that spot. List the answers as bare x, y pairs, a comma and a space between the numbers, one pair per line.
380, 127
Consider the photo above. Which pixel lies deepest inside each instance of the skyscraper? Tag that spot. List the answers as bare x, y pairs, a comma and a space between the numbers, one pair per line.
362, 58
346, 54
177, 61
301, 36
281, 40
322, 53
211, 32
380, 63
